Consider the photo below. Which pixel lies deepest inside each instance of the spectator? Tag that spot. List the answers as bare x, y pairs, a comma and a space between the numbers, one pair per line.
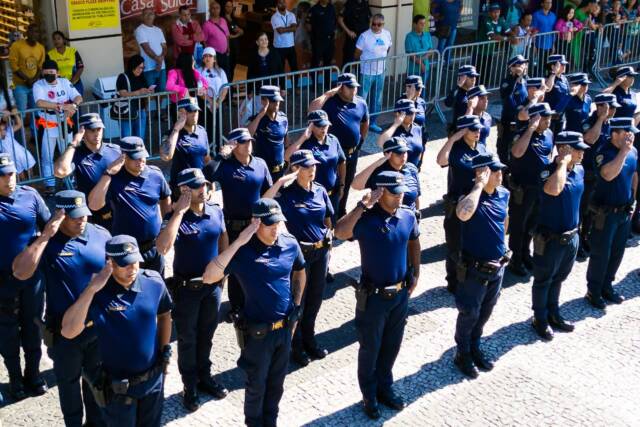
184, 78
235, 32
493, 29
9, 125
264, 62
447, 14
26, 58
418, 41
216, 91
321, 22
585, 40
70, 65
133, 83
354, 20
302, 37
153, 48
521, 35
373, 44
186, 32
513, 11
568, 27
544, 21
216, 34
284, 26
631, 9
614, 33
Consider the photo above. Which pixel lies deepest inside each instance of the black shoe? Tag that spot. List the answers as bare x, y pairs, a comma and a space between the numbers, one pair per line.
451, 287
16, 389
190, 399
316, 352
613, 297
301, 357
215, 389
36, 386
559, 324
582, 254
543, 330
464, 362
518, 269
527, 262
330, 278
371, 409
480, 360
596, 302
392, 400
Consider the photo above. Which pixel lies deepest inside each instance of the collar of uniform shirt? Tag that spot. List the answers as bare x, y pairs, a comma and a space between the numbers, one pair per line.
117, 287
259, 246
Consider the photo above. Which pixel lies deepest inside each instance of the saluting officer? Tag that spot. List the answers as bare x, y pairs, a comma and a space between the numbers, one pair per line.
187, 145
131, 311
535, 95
243, 179
530, 153
458, 99
613, 197
87, 157
483, 213
134, 190
270, 127
387, 234
622, 88
559, 93
71, 251
413, 87
197, 233
555, 239
23, 214
513, 92
404, 126
349, 116
457, 153
479, 101
270, 267
579, 106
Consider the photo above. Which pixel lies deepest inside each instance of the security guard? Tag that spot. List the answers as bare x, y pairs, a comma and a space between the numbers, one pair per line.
457, 99
596, 133
197, 233
243, 179
611, 204
404, 127
479, 98
23, 214
579, 106
559, 94
387, 234
69, 252
270, 127
513, 92
87, 157
308, 210
622, 88
349, 116
131, 310
270, 267
457, 153
187, 145
483, 213
530, 153
134, 190
555, 239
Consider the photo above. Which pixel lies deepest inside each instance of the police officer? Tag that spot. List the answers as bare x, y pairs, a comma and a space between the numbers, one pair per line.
349, 116
483, 213
243, 179
596, 133
270, 267
131, 311
404, 126
579, 106
269, 127
457, 99
559, 91
613, 196
69, 252
479, 102
413, 88
87, 157
23, 214
457, 153
308, 210
622, 88
134, 190
188, 144
513, 92
530, 153
555, 240
197, 233
536, 90
390, 250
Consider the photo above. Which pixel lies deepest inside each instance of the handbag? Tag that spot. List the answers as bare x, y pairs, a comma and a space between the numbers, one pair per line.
123, 109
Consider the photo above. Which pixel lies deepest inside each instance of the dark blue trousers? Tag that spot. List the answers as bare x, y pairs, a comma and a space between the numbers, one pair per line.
351, 166
153, 260
522, 219
234, 290
607, 249
549, 271
145, 409
380, 330
265, 362
452, 234
317, 261
475, 299
195, 315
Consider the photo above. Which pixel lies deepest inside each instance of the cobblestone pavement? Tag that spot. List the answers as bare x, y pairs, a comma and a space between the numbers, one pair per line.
590, 377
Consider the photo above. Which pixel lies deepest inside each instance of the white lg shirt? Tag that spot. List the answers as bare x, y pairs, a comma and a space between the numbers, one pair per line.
374, 46
62, 92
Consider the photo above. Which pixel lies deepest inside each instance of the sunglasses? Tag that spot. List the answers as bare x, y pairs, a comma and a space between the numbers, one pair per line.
377, 24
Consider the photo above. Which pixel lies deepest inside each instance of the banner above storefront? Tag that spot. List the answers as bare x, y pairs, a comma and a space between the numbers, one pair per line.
133, 8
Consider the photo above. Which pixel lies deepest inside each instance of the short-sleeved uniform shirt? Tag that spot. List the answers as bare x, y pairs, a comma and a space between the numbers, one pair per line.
421, 114
191, 150
618, 191
562, 212
590, 154
413, 136
306, 211
345, 118
628, 102
270, 136
514, 95
559, 95
90, 166
459, 101
461, 176
486, 121
411, 178
525, 171
330, 154
487, 225
577, 112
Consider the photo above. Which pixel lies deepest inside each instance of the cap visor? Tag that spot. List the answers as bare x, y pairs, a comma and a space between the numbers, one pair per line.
322, 123
398, 189
6, 170
196, 184
497, 166
78, 212
94, 125
275, 98
634, 129
192, 108
580, 146
474, 74
398, 150
137, 155
475, 127
614, 104
128, 259
272, 219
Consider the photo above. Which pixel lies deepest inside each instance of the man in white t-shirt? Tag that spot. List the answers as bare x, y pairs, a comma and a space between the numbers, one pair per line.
284, 28
153, 48
372, 47
59, 101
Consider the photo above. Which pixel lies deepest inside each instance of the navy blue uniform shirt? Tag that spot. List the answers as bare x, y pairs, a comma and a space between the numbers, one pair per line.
345, 118
191, 150
421, 114
627, 101
514, 95
68, 264
411, 179
618, 191
264, 273
134, 202
577, 112
459, 102
525, 171
89, 166
558, 97
383, 240
562, 212
461, 177
486, 121
22, 215
126, 323
413, 136
588, 160
270, 135
305, 211
483, 234
329, 154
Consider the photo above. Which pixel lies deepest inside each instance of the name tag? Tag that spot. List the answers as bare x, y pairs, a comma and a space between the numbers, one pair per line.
300, 205
262, 260
239, 177
65, 254
117, 307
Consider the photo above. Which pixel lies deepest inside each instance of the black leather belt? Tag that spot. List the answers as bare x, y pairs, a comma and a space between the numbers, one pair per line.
122, 386
193, 284
320, 244
487, 267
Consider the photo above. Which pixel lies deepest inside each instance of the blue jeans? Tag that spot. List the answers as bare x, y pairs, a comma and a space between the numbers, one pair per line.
24, 101
158, 78
137, 127
444, 43
49, 138
374, 85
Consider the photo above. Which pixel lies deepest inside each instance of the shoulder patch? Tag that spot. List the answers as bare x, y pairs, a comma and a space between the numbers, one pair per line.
599, 159
505, 85
544, 174
586, 126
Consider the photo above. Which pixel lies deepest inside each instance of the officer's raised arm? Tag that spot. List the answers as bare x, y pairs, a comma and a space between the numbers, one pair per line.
555, 184
97, 197
609, 171
344, 227
62, 167
360, 180
522, 143
468, 205
167, 236
443, 155
215, 269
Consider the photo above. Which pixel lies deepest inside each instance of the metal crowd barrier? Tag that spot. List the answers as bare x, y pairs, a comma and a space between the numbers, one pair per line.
617, 46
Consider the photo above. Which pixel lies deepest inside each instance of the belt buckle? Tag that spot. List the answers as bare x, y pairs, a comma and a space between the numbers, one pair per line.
319, 244
399, 286
277, 325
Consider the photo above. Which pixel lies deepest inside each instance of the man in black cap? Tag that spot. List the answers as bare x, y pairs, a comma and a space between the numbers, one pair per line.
270, 267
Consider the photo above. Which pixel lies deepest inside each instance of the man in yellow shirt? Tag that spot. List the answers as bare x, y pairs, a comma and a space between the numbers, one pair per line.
26, 57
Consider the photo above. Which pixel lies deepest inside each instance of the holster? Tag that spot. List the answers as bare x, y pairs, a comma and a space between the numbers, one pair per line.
98, 386
449, 207
172, 287
240, 326
598, 218
540, 243
517, 192
48, 333
362, 295
461, 270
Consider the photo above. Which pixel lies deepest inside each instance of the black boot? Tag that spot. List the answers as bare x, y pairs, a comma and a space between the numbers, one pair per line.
480, 360
543, 330
559, 324
464, 362
190, 399
35, 384
16, 387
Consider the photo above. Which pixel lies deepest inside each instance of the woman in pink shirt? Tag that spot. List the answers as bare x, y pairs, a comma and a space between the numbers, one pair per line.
184, 78
216, 35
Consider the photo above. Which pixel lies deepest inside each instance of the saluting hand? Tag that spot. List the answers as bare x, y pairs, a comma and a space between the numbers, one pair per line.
399, 119
308, 132
225, 150
51, 228
619, 80
628, 142
461, 80
564, 157
534, 122
604, 111
333, 91
288, 178
116, 165
372, 197
246, 234
482, 175
473, 102
184, 201
181, 120
78, 136
100, 279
